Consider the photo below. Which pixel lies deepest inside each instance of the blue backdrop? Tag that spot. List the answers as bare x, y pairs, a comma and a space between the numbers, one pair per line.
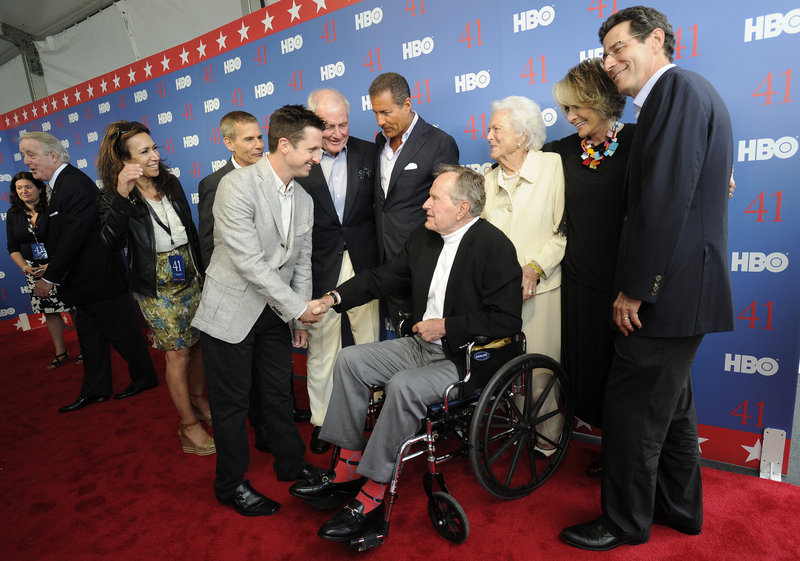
459, 56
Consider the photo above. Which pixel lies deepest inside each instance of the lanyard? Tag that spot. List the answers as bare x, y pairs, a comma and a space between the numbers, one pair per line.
158, 220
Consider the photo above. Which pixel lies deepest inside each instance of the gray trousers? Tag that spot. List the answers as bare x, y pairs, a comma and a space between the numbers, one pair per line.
415, 374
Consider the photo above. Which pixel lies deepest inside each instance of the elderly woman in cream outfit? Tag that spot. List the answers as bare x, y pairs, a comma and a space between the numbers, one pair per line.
525, 199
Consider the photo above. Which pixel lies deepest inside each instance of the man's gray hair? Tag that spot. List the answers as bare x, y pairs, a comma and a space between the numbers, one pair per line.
49, 143
313, 99
525, 116
467, 187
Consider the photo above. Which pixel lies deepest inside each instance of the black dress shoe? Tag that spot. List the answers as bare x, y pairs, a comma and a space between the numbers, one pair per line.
82, 402
323, 485
351, 522
595, 536
249, 502
303, 471
316, 445
133, 390
301, 415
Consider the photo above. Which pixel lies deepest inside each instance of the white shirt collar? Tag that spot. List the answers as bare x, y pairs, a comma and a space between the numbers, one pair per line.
405, 134
282, 189
641, 97
52, 180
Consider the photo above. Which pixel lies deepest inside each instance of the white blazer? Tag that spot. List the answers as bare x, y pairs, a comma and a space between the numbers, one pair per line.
254, 265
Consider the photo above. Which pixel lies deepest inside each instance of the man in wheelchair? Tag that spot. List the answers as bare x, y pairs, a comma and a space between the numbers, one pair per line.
465, 279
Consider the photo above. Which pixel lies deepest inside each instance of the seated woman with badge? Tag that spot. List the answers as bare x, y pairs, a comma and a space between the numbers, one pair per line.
25, 241
143, 206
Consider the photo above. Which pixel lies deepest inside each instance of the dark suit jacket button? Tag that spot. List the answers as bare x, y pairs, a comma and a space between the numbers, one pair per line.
658, 277
625, 218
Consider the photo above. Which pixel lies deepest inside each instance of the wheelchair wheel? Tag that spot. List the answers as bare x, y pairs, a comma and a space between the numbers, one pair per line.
521, 426
448, 517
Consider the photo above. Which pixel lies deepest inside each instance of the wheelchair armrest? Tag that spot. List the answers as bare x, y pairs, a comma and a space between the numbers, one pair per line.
404, 324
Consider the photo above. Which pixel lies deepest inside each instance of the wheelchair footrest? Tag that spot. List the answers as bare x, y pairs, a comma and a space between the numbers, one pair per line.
372, 538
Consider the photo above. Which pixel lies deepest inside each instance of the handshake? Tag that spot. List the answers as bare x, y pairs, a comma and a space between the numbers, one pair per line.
316, 309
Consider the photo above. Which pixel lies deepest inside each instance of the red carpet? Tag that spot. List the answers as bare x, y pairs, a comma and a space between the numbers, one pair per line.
111, 482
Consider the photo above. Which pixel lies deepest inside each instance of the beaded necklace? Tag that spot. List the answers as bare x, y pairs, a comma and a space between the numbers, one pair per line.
592, 157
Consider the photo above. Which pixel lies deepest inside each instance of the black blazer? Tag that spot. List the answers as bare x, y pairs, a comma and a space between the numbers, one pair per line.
207, 191
356, 232
399, 212
673, 247
482, 296
85, 269
127, 222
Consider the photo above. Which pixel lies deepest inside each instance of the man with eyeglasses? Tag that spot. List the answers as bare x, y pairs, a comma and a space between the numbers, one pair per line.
672, 282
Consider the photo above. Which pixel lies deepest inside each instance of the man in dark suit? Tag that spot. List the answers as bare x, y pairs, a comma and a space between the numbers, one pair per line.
242, 135
409, 152
257, 284
464, 279
342, 187
672, 281
87, 275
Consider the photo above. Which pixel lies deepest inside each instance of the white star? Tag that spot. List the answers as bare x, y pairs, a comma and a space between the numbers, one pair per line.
582, 424
148, 69
42, 319
243, 32
8, 122
35, 111
320, 4
44, 107
90, 90
754, 451
20, 324
267, 21
294, 11
700, 441
55, 103
77, 95
131, 75
201, 50
66, 100
184, 57
116, 81
24, 114
221, 41
165, 63
103, 85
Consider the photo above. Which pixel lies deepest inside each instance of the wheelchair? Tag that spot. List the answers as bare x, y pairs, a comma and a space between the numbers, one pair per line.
498, 413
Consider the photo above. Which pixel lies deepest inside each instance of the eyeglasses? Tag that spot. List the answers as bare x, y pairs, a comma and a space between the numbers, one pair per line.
615, 49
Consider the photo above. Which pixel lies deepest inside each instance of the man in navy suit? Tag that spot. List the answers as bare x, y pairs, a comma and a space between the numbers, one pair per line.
344, 243
672, 282
409, 152
87, 275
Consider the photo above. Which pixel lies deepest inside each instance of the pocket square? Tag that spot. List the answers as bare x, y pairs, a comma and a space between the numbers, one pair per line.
54, 213
410, 166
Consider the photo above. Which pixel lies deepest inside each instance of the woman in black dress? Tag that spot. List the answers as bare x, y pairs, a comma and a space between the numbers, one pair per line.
25, 240
595, 159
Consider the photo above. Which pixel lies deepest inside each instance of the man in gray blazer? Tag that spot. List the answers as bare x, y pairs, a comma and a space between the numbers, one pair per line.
258, 282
